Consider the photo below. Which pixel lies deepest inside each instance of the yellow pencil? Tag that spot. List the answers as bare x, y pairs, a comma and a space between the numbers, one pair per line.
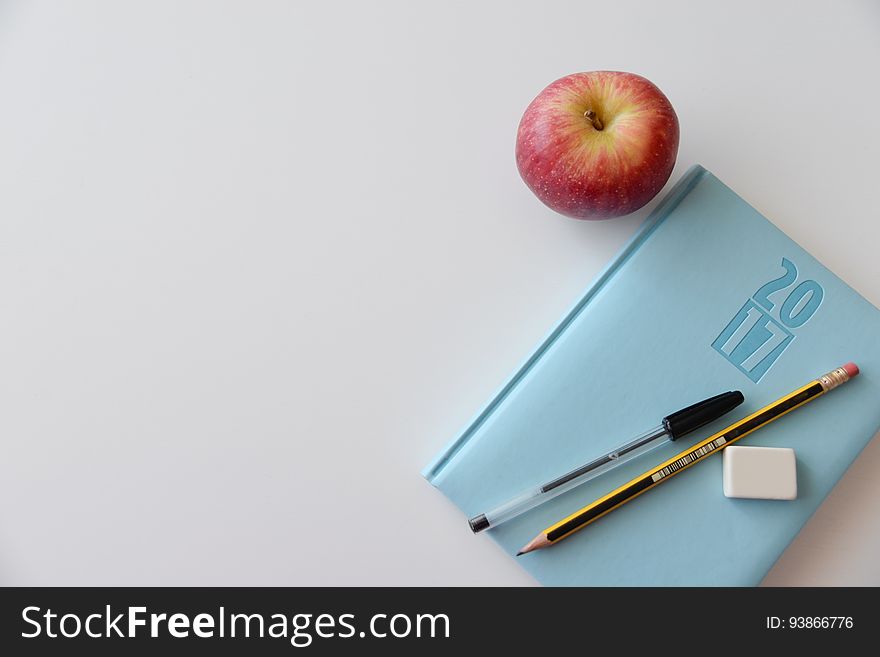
682, 461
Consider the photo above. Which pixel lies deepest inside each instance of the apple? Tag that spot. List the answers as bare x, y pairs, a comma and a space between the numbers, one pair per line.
597, 145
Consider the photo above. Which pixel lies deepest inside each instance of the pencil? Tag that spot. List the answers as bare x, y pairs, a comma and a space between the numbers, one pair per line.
683, 460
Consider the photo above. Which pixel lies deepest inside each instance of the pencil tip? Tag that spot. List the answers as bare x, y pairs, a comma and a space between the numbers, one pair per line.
540, 541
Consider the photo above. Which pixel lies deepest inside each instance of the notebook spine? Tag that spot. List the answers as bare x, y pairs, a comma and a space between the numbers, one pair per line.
669, 202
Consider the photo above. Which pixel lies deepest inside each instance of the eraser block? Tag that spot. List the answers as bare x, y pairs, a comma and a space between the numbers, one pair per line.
764, 473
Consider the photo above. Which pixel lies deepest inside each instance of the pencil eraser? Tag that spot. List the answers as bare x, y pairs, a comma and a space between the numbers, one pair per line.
763, 473
851, 369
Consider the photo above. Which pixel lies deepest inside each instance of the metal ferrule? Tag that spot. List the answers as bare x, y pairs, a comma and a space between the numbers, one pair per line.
833, 379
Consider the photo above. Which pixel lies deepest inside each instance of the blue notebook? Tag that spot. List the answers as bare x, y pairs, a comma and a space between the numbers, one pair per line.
708, 296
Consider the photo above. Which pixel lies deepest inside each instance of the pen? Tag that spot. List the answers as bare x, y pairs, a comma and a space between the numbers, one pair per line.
673, 426
667, 469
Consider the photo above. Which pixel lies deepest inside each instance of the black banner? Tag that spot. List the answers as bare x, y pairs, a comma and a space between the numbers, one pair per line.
276, 621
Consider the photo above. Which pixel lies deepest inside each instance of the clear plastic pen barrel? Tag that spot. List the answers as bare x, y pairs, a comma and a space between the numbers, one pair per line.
532, 497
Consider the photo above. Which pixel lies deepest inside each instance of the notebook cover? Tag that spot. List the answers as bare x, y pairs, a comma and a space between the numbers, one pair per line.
708, 296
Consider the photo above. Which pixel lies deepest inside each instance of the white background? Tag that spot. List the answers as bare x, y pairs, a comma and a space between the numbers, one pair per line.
260, 261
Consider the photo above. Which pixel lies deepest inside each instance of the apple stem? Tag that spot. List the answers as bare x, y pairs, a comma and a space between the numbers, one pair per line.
594, 119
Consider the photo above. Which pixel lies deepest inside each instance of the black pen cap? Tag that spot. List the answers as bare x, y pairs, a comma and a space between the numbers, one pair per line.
693, 417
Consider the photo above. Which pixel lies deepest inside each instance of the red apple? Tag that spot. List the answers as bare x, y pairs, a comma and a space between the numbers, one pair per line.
597, 145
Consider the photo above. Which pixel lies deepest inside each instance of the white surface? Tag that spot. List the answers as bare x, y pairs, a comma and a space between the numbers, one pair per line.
761, 473
260, 261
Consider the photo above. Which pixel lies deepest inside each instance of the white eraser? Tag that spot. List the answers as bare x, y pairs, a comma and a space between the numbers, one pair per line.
764, 473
